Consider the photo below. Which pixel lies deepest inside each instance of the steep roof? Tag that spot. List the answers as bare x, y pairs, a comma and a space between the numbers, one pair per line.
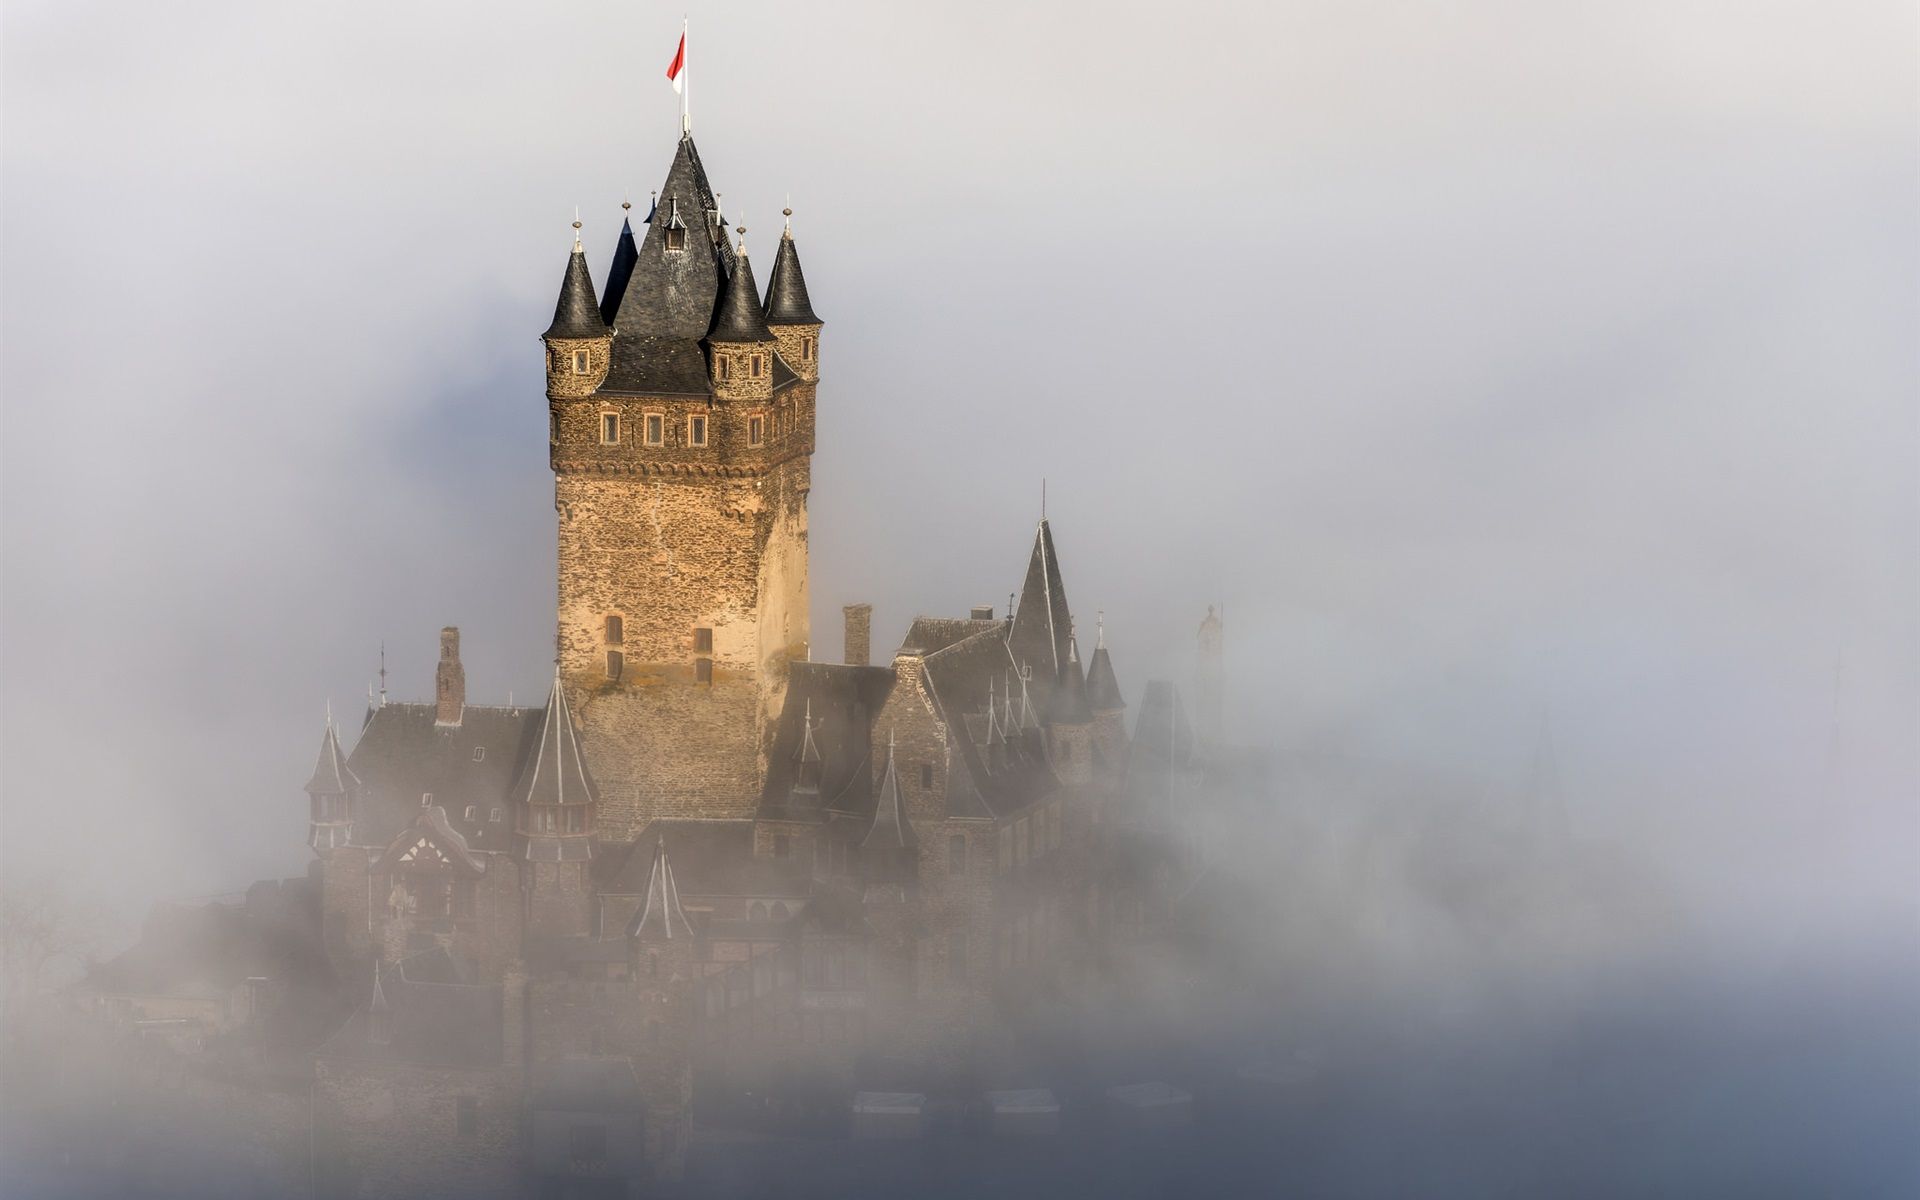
1043, 622
842, 701
556, 771
787, 300
331, 775
643, 365
431, 842
672, 293
1103, 688
740, 317
577, 313
660, 915
625, 253
891, 830
403, 755
962, 678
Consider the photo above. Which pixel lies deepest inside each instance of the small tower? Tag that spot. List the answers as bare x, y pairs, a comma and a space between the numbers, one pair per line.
1109, 711
330, 795
1210, 678
1070, 723
578, 342
889, 854
449, 681
556, 827
790, 311
740, 346
626, 252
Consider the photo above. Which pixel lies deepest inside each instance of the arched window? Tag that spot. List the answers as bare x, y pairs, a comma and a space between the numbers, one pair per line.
616, 630
758, 912
780, 912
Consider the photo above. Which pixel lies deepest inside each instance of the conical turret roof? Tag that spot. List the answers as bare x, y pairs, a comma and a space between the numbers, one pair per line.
577, 314
331, 775
1042, 623
1068, 704
626, 252
556, 773
671, 293
740, 317
661, 916
890, 830
1103, 689
787, 300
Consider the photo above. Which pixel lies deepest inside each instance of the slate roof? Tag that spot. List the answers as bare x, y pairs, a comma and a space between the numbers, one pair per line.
660, 916
619, 271
740, 317
1043, 622
674, 293
1068, 704
787, 299
843, 701
556, 774
576, 314
891, 830
962, 677
644, 365
331, 776
1103, 688
403, 754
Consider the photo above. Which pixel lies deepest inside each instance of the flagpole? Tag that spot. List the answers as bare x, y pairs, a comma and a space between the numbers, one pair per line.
686, 86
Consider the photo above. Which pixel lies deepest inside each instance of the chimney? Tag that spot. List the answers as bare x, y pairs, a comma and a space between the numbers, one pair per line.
450, 680
981, 612
859, 634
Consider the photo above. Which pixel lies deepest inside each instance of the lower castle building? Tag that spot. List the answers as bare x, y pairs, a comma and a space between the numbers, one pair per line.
707, 856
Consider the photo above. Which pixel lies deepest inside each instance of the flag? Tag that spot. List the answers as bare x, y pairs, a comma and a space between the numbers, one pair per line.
677, 69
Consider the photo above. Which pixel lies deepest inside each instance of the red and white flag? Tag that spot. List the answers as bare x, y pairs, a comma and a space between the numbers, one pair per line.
677, 69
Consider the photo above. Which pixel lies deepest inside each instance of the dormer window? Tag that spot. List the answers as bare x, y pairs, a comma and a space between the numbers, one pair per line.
676, 237
479, 754
697, 430
579, 362
756, 430
609, 429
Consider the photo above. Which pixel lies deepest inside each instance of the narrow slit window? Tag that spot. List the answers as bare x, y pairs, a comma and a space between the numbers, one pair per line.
703, 670
722, 367
756, 430
579, 362
426, 799
656, 429
696, 431
806, 350
479, 754
755, 369
616, 662
609, 429
703, 640
616, 630
926, 777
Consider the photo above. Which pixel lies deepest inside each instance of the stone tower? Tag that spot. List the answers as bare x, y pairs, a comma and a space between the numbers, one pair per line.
682, 429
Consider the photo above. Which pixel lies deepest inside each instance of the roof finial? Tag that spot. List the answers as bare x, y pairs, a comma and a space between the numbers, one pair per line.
383, 673
742, 231
626, 202
329, 712
1043, 497
1100, 629
576, 229
787, 212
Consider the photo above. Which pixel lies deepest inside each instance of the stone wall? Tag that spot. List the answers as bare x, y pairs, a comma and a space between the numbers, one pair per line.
388, 1129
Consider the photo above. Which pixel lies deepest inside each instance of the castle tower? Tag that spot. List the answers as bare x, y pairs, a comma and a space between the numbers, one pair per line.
1070, 723
330, 795
681, 471
1109, 712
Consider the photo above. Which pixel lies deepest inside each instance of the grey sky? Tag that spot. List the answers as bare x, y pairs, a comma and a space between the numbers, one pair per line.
1486, 359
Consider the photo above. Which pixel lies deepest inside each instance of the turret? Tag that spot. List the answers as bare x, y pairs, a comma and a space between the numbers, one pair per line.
1070, 723
740, 346
330, 794
579, 341
790, 311
556, 809
626, 252
1109, 710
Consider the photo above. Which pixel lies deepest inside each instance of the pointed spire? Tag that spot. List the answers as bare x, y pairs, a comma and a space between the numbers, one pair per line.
1068, 704
577, 313
740, 318
787, 299
890, 830
331, 775
1103, 688
806, 775
626, 252
379, 1011
681, 268
661, 916
1043, 620
556, 773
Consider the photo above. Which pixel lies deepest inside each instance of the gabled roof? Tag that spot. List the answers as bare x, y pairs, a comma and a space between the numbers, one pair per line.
660, 916
431, 842
891, 830
577, 313
404, 755
1043, 622
625, 254
787, 300
841, 701
740, 317
331, 775
556, 771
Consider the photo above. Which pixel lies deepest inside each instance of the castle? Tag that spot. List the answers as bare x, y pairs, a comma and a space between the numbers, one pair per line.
708, 856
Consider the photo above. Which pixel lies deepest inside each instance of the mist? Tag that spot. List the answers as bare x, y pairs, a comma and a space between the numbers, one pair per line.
1533, 386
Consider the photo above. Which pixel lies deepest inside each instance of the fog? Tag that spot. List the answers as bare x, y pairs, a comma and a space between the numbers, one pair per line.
1533, 384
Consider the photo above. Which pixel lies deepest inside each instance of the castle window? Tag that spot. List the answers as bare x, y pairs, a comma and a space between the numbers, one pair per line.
616, 662
426, 799
616, 630
676, 237
957, 854
756, 430
499, 815
466, 1116
696, 430
579, 362
703, 640
722, 367
470, 811
609, 429
656, 429
479, 754
756, 366
806, 349
926, 777
703, 670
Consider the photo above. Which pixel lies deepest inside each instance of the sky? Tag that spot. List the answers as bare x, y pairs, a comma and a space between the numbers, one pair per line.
1499, 367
